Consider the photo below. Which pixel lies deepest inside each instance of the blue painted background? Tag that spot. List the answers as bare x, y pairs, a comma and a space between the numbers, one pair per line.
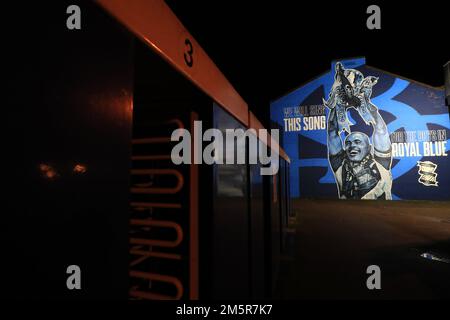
404, 105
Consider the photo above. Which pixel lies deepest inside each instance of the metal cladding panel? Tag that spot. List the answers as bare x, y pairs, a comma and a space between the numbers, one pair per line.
230, 222
69, 128
258, 252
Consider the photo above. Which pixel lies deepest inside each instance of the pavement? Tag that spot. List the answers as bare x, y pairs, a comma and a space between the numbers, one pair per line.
333, 242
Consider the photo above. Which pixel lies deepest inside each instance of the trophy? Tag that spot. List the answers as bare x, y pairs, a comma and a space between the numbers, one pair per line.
351, 90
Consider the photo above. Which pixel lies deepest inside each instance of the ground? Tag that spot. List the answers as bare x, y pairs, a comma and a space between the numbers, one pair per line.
333, 243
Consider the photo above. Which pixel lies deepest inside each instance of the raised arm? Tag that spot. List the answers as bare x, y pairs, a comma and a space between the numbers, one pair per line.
334, 140
381, 140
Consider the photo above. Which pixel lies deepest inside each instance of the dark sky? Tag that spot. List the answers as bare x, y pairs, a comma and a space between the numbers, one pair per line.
266, 49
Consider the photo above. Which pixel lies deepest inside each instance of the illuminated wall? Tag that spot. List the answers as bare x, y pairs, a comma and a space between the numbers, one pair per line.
414, 163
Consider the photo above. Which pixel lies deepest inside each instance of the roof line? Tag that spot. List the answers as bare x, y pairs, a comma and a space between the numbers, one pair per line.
371, 67
408, 79
349, 58
314, 78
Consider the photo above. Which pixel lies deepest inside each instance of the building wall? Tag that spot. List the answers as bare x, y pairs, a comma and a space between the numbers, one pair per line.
404, 105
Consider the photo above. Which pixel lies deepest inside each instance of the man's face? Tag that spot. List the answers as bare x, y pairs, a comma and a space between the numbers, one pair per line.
357, 146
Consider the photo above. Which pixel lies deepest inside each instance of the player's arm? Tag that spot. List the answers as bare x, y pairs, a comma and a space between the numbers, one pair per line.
334, 142
381, 140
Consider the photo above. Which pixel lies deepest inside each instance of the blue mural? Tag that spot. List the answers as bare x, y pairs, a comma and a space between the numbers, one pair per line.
416, 119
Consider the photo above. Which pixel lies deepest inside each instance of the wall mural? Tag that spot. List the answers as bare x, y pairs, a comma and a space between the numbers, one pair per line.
357, 132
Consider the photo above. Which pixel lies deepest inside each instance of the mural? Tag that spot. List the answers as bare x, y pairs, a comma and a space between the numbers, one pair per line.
362, 168
357, 132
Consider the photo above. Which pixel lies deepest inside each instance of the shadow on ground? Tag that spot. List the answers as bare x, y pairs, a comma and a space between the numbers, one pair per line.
335, 242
